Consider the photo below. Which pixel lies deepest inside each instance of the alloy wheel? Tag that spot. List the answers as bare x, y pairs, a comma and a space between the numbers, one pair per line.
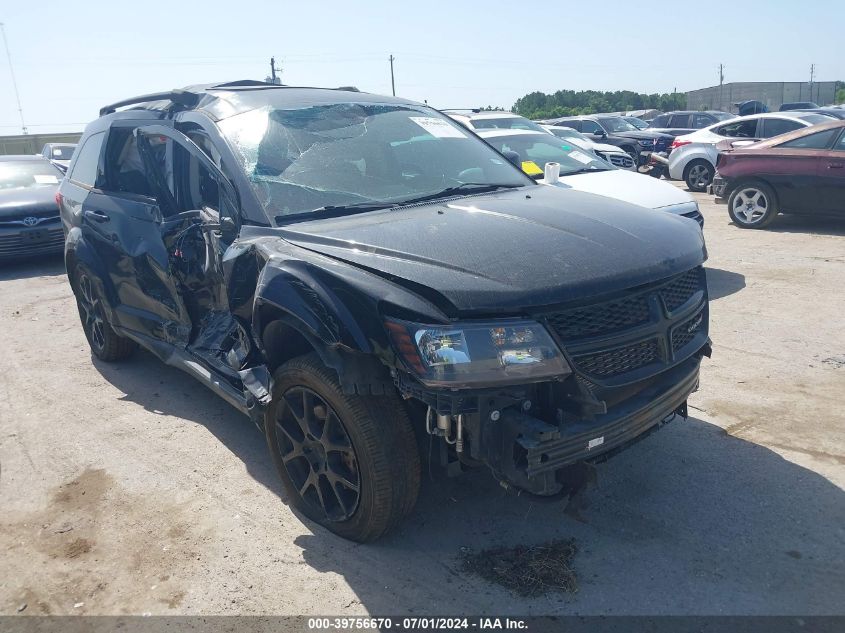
699, 176
92, 309
317, 453
750, 205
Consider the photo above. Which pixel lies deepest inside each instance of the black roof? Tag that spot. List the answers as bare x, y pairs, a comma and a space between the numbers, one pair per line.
221, 100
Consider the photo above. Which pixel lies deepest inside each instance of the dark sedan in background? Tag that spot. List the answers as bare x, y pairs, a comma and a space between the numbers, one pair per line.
617, 131
29, 216
799, 172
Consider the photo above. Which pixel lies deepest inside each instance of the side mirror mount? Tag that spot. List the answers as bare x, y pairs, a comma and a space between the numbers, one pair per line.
600, 133
513, 157
228, 229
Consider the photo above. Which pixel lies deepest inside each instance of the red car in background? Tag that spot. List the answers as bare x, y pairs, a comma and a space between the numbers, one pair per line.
798, 172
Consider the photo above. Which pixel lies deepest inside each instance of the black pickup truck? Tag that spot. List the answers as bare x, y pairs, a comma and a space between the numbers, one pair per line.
348, 269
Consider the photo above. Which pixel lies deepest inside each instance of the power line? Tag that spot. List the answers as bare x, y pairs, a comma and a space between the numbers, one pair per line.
12, 72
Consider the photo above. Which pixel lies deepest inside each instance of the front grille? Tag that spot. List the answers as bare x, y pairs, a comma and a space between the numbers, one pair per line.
695, 215
638, 333
678, 291
687, 331
17, 245
604, 318
621, 360
44, 216
623, 161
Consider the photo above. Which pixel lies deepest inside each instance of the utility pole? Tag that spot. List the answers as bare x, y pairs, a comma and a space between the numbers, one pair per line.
812, 76
721, 81
392, 82
14, 81
273, 78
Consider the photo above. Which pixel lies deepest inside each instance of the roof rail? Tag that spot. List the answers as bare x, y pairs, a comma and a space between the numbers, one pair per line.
179, 97
243, 83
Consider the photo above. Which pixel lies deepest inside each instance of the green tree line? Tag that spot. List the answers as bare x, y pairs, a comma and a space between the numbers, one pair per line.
538, 105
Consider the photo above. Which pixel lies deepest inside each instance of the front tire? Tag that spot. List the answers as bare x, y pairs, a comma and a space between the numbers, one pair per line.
347, 462
753, 205
105, 343
698, 175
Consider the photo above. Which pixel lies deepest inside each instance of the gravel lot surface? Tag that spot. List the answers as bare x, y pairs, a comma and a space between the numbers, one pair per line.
131, 488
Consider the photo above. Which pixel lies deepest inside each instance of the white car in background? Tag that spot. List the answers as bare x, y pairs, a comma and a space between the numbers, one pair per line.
693, 156
583, 171
492, 119
612, 154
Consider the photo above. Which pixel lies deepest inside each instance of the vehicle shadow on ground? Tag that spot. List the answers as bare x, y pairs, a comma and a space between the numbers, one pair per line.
808, 225
721, 283
165, 390
690, 521
49, 266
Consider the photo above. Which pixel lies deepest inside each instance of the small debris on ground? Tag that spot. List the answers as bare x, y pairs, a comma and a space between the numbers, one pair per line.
835, 361
22, 607
526, 570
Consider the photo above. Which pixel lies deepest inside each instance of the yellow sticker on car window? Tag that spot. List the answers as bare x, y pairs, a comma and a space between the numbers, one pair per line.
531, 168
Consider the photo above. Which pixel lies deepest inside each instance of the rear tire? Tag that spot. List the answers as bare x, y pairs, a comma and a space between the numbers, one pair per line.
347, 462
698, 174
105, 343
753, 205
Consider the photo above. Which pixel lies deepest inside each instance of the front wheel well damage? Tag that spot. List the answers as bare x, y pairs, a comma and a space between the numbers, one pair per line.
357, 372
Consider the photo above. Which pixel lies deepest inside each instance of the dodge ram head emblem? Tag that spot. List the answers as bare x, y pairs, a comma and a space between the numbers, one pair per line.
30, 221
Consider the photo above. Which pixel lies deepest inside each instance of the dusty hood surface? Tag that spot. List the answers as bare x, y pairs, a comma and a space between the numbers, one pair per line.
628, 186
504, 252
37, 201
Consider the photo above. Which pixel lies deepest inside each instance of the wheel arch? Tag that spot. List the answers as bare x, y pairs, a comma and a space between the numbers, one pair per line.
282, 336
78, 251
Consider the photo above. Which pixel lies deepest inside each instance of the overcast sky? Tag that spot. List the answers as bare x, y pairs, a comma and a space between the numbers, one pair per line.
72, 57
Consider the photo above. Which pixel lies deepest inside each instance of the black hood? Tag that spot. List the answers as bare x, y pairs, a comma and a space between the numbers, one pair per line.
505, 252
35, 201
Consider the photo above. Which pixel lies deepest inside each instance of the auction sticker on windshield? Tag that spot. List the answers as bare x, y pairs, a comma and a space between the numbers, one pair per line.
437, 127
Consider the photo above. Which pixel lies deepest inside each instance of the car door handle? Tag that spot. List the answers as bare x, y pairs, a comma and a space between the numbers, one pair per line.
97, 216
835, 166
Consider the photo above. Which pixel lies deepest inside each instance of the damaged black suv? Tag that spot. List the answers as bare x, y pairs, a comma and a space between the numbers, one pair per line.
348, 269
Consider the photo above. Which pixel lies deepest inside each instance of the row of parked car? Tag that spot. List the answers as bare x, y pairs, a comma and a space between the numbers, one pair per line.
352, 271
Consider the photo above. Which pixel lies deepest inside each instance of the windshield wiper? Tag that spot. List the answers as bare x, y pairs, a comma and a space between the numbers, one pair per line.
584, 170
335, 210
464, 187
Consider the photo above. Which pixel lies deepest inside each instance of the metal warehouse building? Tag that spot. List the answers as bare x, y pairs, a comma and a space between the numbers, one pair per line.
32, 143
772, 93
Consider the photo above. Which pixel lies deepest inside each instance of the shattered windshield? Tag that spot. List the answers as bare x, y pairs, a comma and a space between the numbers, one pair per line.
336, 155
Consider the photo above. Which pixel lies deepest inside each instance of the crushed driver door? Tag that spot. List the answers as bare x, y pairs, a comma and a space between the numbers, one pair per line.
201, 219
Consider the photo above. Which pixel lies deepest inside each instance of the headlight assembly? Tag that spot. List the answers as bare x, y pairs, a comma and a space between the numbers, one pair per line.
477, 354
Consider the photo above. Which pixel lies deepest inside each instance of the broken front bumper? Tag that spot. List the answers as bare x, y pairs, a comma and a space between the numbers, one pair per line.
531, 453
